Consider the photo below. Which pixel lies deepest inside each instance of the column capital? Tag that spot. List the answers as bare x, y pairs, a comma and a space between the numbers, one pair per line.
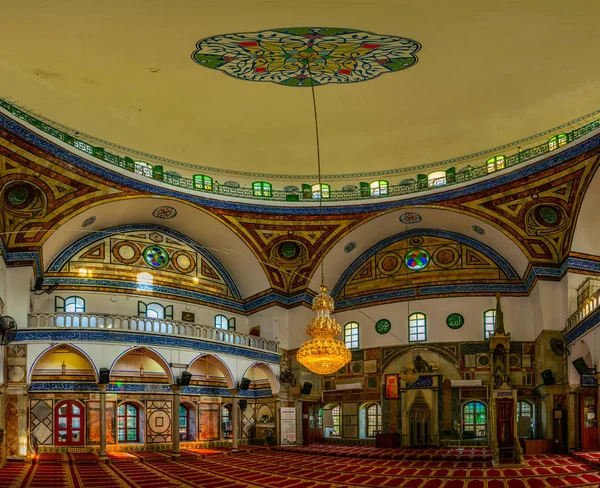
176, 388
234, 391
102, 387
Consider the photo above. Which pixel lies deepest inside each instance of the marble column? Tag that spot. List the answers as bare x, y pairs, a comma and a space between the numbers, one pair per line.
102, 388
175, 420
234, 420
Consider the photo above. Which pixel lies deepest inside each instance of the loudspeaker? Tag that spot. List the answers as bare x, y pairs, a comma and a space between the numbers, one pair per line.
243, 404
39, 283
547, 377
581, 366
244, 384
104, 376
186, 378
306, 387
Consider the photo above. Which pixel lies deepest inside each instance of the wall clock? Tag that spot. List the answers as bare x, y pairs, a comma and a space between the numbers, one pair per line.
383, 326
455, 321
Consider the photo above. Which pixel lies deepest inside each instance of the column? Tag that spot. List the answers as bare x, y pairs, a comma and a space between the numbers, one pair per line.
234, 420
103, 456
175, 420
435, 426
277, 430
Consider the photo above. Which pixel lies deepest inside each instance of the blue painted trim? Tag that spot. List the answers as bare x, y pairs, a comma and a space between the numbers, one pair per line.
133, 338
79, 245
502, 263
109, 175
584, 326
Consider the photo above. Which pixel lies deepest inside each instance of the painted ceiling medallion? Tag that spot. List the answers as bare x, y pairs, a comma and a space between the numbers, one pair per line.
283, 56
165, 212
351, 246
410, 218
478, 230
89, 221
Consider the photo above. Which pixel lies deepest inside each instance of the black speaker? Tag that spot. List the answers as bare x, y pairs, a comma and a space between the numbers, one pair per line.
104, 376
547, 377
186, 378
244, 384
243, 404
39, 283
581, 366
306, 388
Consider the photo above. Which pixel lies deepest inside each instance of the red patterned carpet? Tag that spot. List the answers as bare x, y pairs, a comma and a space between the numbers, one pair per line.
295, 468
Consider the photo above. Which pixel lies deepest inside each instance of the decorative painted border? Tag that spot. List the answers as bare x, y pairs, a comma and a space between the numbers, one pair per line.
587, 324
502, 263
137, 388
120, 337
365, 207
77, 246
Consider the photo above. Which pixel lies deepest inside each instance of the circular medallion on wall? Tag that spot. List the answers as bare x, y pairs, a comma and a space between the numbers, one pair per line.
164, 212
16, 374
156, 256
126, 252
289, 250
155, 237
183, 262
455, 321
348, 248
89, 221
445, 256
17, 195
417, 259
389, 263
416, 241
478, 230
23, 199
410, 218
483, 361
383, 326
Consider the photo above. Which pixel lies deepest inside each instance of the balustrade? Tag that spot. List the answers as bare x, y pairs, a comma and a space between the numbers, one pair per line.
149, 325
586, 308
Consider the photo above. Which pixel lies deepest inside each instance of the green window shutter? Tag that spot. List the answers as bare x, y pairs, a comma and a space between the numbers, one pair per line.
157, 173
129, 164
232, 323
142, 307
365, 189
59, 304
306, 191
422, 181
450, 175
169, 312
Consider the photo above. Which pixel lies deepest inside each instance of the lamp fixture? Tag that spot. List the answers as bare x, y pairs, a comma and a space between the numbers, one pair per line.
323, 354
142, 363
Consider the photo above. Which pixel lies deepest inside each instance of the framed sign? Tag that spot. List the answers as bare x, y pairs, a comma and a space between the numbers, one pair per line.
188, 316
455, 321
391, 386
383, 326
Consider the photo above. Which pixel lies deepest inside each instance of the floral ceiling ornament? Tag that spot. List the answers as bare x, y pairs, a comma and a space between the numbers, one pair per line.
283, 56
410, 218
165, 212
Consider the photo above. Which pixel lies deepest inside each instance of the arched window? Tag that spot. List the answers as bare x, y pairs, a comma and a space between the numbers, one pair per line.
557, 141
69, 420
495, 163
332, 420
525, 419
417, 327
474, 420
128, 423
203, 182
155, 311
373, 420
221, 322
437, 178
142, 168
316, 191
69, 305
379, 188
184, 422
351, 335
261, 189
489, 322
226, 421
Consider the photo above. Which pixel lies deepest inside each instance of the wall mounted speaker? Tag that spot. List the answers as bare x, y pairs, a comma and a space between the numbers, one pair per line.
581, 366
186, 378
243, 404
244, 384
39, 283
547, 377
104, 376
306, 388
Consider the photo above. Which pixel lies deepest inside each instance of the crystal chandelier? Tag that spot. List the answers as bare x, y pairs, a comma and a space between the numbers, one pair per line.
323, 354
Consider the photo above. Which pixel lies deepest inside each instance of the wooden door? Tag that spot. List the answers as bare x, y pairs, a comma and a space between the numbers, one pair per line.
311, 431
588, 421
69, 421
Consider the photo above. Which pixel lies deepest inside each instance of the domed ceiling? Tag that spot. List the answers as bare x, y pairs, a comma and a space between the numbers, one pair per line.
224, 84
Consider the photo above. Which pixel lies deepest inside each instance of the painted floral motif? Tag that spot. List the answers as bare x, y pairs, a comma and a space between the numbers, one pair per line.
164, 212
410, 218
89, 221
285, 56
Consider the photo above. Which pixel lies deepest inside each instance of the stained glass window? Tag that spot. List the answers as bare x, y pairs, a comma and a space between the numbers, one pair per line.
379, 188
184, 422
474, 420
417, 327
526, 409
557, 141
316, 192
495, 163
351, 335
226, 418
203, 182
127, 423
417, 259
373, 420
156, 256
336, 413
489, 322
261, 189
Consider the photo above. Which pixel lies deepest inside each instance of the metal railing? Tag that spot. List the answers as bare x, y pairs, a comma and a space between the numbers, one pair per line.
149, 325
405, 187
590, 305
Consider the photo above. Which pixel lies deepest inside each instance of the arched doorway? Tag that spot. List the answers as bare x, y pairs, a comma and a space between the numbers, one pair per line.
419, 417
69, 419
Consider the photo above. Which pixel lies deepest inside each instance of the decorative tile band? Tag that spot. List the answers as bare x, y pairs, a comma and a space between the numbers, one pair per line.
114, 336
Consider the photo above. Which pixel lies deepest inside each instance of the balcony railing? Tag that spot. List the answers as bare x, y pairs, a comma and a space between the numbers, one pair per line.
149, 325
591, 303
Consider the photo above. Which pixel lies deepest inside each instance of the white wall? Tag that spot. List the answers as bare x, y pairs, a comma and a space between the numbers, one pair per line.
274, 324
19, 282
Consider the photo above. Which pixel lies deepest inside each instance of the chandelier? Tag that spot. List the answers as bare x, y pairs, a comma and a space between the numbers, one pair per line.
409, 375
323, 354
